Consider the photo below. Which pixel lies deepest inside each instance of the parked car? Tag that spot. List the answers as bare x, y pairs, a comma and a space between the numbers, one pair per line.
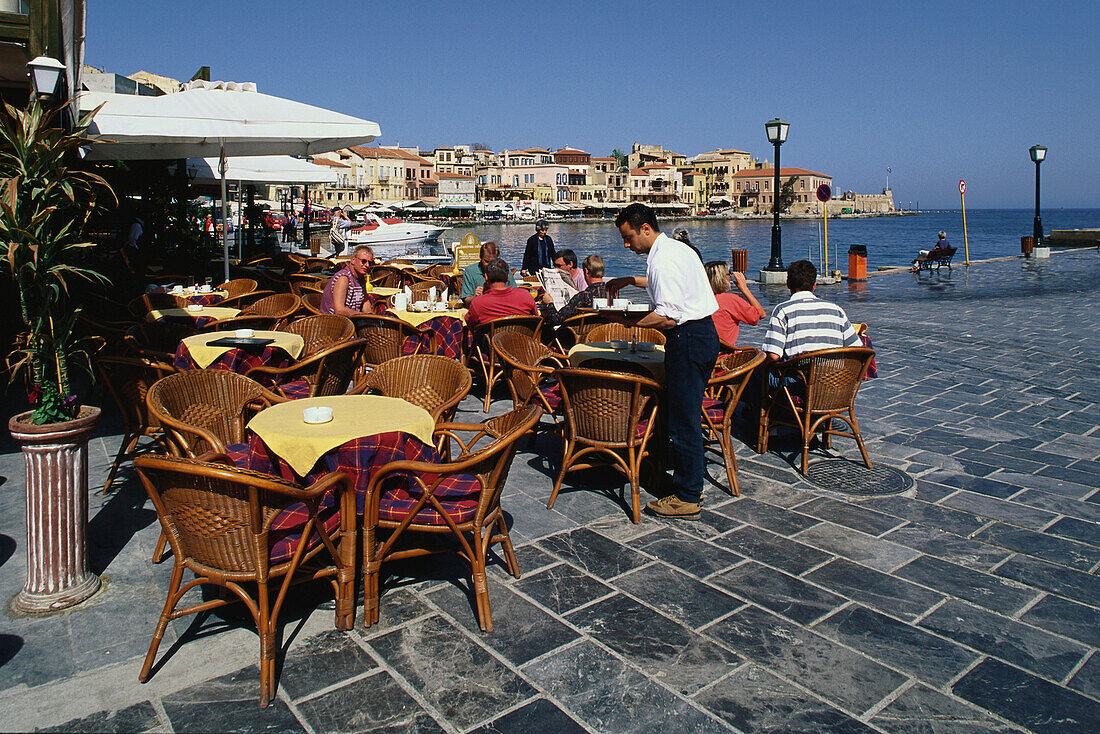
274, 219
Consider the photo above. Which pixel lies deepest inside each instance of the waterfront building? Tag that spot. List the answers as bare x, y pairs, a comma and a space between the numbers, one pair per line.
607, 173
644, 155
658, 183
716, 169
457, 192
752, 189
572, 157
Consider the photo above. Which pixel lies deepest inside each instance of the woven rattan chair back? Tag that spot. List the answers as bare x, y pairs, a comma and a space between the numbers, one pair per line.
147, 302
203, 410
312, 302
238, 287
422, 289
128, 381
614, 331
157, 340
483, 354
526, 362
280, 305
301, 283
218, 520
247, 321
581, 324
383, 336
330, 371
604, 407
320, 332
384, 276
316, 265
833, 376
731, 375
435, 383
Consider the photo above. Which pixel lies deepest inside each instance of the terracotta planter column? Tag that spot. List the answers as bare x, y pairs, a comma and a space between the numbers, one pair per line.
56, 479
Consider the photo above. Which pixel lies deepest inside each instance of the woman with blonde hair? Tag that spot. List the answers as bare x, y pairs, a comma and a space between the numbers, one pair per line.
732, 310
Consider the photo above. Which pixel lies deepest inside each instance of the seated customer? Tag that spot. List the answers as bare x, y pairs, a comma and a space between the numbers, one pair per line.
805, 323
566, 261
732, 310
499, 299
594, 288
473, 276
345, 293
941, 244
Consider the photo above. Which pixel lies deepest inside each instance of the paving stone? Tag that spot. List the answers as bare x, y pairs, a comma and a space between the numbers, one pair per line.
682, 552
1040, 545
1062, 505
850, 515
321, 661
592, 552
1047, 484
521, 631
373, 703
1074, 529
868, 550
137, 718
995, 509
538, 717
607, 695
976, 480
667, 650
232, 701
924, 513
563, 588
1059, 580
792, 597
925, 656
774, 550
1027, 647
780, 495
1087, 679
842, 677
1027, 700
456, 676
711, 523
754, 700
964, 552
677, 595
875, 589
769, 517
921, 710
1067, 618
964, 583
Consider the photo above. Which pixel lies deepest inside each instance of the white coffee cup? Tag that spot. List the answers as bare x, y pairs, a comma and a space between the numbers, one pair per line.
400, 303
620, 303
244, 333
194, 307
599, 303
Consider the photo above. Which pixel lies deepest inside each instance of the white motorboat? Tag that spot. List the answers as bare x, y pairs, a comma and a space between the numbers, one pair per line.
378, 232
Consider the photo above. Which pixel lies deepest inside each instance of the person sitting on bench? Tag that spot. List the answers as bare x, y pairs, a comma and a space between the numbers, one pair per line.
941, 244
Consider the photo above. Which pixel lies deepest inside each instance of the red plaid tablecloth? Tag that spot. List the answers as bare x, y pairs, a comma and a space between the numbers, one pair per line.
378, 304
447, 334
235, 360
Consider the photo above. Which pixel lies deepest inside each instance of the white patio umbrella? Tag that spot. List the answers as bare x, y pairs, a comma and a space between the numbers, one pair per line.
216, 119
260, 169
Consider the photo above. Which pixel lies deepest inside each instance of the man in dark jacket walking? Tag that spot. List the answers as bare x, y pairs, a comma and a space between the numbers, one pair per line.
540, 249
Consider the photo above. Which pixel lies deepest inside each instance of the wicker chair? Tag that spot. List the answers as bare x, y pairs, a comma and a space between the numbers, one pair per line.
528, 364
259, 261
609, 413
311, 302
483, 354
234, 528
614, 331
238, 287
246, 321
245, 299
574, 329
331, 371
436, 384
300, 282
421, 290
129, 381
281, 305
320, 331
317, 265
731, 375
814, 388
156, 340
434, 506
384, 276
384, 337
147, 302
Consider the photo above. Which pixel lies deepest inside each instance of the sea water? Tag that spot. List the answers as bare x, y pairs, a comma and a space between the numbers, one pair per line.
890, 240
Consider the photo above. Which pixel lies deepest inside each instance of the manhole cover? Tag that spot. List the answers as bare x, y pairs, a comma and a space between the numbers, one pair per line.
849, 477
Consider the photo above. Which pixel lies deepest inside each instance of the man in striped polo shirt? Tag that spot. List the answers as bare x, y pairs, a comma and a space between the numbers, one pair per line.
805, 323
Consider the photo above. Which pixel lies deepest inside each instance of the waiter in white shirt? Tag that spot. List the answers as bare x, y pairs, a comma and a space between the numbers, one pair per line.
683, 304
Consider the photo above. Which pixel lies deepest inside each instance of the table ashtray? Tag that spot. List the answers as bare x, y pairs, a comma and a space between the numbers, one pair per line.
194, 307
318, 414
645, 346
244, 333
620, 344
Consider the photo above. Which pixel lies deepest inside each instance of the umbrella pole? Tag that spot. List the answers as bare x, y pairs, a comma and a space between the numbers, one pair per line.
225, 214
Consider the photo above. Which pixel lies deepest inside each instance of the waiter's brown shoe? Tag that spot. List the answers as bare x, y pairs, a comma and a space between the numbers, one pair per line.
673, 506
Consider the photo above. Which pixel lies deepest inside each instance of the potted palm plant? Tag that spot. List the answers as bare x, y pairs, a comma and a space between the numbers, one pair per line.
44, 204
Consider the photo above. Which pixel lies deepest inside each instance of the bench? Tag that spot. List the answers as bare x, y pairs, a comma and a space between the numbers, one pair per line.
935, 257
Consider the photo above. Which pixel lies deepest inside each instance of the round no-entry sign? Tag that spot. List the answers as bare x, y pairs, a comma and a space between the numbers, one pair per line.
824, 193
962, 186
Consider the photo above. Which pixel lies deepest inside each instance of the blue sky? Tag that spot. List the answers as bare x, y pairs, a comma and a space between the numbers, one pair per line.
936, 91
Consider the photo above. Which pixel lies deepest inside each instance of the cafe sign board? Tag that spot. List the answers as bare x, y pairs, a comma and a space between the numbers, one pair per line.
467, 252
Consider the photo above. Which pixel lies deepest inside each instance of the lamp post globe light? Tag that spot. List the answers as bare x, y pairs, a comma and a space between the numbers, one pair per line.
45, 73
777, 135
1038, 153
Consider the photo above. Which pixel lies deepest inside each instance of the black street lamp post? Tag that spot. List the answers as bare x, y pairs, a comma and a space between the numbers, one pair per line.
1038, 153
777, 134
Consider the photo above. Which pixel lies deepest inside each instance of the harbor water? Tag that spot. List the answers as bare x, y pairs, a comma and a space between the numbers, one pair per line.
890, 240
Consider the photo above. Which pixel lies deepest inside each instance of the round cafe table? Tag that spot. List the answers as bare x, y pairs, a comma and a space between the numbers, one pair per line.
187, 296
366, 431
441, 332
201, 317
197, 353
653, 362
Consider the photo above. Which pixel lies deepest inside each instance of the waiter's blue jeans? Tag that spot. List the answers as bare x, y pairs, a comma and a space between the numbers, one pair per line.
690, 353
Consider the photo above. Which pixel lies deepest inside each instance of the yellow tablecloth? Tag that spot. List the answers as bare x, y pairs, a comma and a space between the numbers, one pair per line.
192, 292
301, 444
416, 318
653, 362
198, 346
218, 313
383, 291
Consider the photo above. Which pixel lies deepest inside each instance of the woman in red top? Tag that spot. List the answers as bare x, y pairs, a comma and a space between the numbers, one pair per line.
732, 310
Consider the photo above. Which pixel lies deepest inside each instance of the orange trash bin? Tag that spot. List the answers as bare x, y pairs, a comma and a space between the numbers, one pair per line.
857, 262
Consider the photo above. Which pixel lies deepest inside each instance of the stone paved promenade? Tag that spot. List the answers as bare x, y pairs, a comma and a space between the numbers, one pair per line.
970, 603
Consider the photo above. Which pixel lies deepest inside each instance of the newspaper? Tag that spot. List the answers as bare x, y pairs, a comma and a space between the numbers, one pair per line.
558, 284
